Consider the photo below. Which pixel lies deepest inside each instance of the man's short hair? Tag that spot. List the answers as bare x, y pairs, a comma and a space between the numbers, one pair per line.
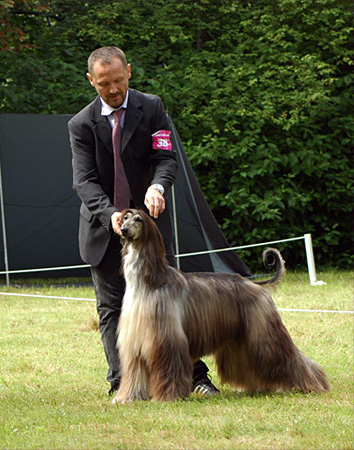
105, 55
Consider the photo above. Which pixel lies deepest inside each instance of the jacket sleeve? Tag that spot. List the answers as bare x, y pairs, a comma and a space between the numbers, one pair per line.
163, 160
86, 181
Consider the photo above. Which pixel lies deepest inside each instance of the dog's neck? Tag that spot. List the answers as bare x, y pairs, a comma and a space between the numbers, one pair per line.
143, 265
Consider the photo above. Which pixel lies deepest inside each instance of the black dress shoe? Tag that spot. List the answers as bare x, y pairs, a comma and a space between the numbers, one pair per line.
114, 388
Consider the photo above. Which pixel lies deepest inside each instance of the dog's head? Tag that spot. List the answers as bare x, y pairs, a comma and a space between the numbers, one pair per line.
132, 227
140, 234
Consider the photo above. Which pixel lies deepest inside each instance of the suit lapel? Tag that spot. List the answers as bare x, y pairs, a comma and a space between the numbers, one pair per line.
102, 126
132, 119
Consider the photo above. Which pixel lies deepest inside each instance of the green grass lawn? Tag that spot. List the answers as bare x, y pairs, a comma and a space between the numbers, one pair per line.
53, 393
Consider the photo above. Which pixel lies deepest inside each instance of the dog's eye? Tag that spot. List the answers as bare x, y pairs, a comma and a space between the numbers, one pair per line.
139, 219
126, 217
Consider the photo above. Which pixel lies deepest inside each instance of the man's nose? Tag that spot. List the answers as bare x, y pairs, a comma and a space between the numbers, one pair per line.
113, 88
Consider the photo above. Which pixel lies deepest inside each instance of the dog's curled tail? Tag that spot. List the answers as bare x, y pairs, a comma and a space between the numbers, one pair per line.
273, 259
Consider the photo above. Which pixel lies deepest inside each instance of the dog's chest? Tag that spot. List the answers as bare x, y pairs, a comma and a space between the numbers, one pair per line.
135, 319
135, 291
132, 270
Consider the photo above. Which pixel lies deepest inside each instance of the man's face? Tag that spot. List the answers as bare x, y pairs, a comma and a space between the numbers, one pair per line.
111, 81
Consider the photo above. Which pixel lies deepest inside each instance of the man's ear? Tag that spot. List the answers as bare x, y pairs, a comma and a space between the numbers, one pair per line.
90, 79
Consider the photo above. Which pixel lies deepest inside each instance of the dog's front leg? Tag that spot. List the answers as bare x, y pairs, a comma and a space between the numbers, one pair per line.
171, 369
135, 382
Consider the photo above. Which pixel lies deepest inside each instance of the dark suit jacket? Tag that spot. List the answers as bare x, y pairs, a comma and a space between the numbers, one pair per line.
93, 167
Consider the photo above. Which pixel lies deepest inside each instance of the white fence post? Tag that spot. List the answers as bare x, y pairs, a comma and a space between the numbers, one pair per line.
311, 261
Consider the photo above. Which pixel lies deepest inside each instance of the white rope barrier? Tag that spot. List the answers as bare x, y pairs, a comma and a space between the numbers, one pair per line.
306, 237
182, 255
315, 311
46, 269
241, 247
14, 294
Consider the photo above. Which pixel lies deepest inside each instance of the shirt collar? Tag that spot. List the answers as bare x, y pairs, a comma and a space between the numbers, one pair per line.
106, 110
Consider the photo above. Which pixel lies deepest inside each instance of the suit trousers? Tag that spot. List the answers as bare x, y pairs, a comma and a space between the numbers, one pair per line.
109, 287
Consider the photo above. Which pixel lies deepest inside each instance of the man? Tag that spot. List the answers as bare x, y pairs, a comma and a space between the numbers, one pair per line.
122, 157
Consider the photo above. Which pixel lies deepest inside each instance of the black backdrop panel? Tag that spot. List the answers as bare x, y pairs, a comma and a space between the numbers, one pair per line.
41, 209
197, 227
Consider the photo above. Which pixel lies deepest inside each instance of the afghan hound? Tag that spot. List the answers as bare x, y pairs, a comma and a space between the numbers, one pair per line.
170, 319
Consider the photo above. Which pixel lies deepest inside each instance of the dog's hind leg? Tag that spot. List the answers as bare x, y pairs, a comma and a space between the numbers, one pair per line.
134, 383
272, 355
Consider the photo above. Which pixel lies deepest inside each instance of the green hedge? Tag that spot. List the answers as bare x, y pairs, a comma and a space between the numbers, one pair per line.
261, 93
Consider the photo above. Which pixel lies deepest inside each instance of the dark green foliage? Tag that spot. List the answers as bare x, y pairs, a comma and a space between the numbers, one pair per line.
261, 93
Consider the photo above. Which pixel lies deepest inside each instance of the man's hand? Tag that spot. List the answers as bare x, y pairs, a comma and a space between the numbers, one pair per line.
155, 202
116, 221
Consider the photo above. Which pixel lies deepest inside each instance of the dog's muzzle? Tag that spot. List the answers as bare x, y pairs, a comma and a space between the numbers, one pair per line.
124, 232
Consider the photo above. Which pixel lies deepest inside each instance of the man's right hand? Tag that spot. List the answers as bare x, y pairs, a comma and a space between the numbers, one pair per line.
116, 221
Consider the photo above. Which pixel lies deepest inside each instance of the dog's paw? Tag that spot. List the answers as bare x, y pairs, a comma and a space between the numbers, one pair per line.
119, 400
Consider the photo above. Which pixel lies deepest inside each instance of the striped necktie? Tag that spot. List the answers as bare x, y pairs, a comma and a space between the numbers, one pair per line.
121, 185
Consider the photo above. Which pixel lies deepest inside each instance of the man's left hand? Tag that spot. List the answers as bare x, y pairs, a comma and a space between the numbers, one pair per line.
155, 202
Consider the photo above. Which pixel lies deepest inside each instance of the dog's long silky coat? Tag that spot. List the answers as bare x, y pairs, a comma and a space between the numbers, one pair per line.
170, 319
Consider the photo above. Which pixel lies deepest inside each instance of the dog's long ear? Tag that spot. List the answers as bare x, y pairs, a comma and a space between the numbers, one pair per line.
151, 245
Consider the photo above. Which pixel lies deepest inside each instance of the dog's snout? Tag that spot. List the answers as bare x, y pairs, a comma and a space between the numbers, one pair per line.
124, 230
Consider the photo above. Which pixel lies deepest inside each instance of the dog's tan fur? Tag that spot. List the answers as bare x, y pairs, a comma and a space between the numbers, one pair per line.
170, 319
